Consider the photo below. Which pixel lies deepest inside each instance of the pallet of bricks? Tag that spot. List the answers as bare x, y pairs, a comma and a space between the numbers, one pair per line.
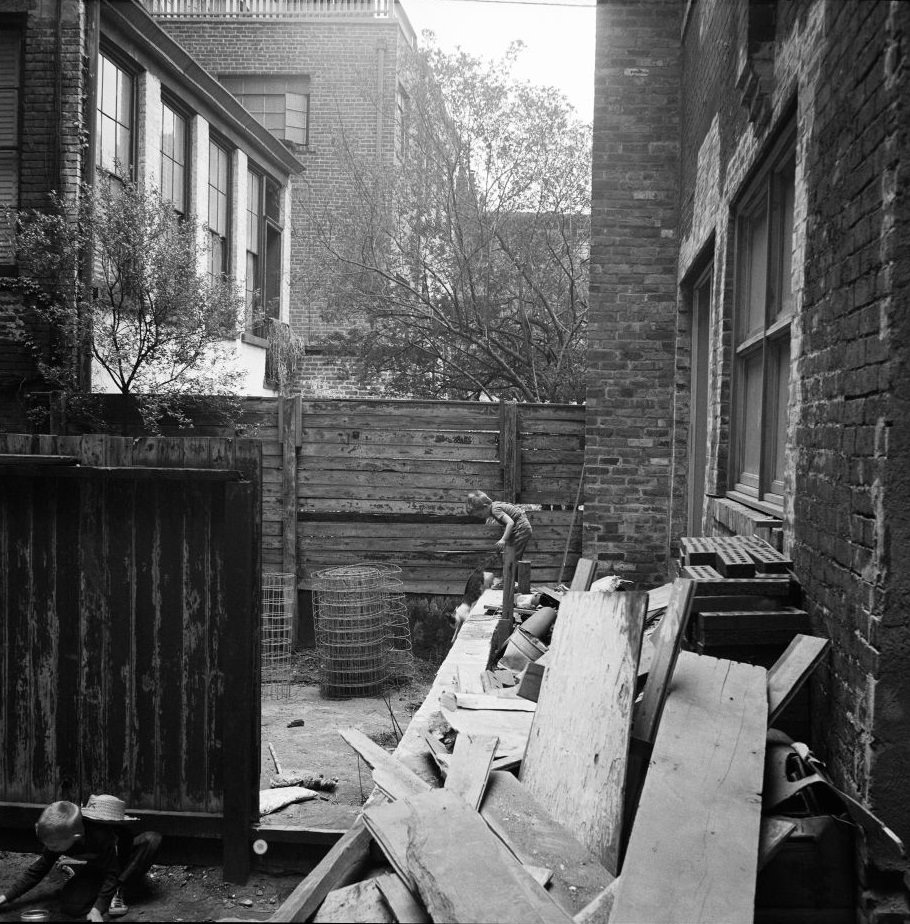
632, 788
747, 604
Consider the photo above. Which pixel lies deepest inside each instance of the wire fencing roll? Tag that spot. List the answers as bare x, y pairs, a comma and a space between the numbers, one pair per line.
362, 633
276, 642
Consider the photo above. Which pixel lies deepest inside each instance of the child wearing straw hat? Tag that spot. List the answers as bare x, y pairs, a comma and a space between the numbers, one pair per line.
98, 834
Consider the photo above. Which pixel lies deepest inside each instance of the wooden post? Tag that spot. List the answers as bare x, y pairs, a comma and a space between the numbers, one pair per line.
508, 581
241, 665
289, 414
509, 451
524, 577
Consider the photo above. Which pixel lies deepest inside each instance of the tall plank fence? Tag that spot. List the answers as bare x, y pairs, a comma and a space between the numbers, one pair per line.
128, 621
387, 480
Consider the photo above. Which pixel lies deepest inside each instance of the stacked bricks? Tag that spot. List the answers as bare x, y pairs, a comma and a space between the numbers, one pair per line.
631, 331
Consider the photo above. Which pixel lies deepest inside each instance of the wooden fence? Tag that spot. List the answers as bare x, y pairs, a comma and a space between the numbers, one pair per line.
345, 480
129, 619
386, 481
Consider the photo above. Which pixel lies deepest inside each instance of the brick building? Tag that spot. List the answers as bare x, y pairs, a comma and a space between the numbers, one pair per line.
749, 325
320, 74
91, 87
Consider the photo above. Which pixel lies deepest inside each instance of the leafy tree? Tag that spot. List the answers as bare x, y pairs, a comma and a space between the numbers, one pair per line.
465, 269
158, 329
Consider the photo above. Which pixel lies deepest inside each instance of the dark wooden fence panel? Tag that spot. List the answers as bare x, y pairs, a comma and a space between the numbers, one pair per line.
129, 647
386, 481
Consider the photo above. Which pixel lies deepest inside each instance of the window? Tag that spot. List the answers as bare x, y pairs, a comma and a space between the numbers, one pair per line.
700, 311
263, 255
281, 104
114, 126
219, 208
763, 312
174, 157
10, 69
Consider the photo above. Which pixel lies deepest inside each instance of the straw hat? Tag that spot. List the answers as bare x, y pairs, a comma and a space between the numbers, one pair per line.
108, 809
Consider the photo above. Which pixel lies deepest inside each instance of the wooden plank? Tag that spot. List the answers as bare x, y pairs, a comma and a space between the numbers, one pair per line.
791, 670
338, 867
704, 786
398, 780
535, 838
576, 757
406, 908
775, 831
358, 903
597, 911
583, 577
666, 641
485, 701
458, 867
470, 767
509, 451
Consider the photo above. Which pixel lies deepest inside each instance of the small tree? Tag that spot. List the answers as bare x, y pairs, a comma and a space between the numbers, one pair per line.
464, 271
157, 327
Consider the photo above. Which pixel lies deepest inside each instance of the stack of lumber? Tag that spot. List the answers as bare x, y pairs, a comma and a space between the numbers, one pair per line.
747, 600
624, 808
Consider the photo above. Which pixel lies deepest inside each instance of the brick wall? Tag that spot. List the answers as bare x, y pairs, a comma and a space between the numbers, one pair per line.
353, 71
852, 417
50, 158
631, 330
839, 71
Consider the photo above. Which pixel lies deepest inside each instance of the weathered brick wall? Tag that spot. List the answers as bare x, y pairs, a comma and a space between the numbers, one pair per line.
851, 493
841, 70
631, 329
50, 158
353, 71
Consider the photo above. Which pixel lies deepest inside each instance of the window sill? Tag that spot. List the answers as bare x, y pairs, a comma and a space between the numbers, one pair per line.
770, 510
253, 340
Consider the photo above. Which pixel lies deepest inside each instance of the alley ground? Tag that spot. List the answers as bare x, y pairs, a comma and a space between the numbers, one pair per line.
198, 893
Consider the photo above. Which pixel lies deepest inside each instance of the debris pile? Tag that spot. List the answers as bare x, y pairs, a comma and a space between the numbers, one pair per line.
614, 776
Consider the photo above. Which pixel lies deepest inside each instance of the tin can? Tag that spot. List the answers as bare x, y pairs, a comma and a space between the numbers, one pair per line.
35, 914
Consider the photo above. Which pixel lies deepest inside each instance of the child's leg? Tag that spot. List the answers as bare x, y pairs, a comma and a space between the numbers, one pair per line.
78, 895
141, 856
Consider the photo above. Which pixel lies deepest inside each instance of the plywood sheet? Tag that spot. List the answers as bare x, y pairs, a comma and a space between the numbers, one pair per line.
575, 762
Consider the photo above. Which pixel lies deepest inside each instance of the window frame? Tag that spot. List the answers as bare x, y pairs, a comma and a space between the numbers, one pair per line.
217, 142
181, 112
762, 345
267, 224
132, 70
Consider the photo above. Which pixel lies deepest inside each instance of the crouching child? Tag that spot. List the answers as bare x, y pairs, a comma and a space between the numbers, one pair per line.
115, 861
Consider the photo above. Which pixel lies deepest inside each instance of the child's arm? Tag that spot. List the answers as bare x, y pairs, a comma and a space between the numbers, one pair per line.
503, 517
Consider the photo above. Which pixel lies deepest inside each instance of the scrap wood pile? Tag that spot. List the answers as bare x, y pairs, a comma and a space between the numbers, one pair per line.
592, 804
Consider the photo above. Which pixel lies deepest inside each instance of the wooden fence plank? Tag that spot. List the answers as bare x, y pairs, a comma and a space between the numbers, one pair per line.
704, 785
575, 763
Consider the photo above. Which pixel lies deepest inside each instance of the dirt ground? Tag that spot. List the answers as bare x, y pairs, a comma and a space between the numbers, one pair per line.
196, 893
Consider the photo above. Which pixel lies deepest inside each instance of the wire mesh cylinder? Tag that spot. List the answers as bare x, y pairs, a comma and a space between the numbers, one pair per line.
351, 630
399, 652
276, 641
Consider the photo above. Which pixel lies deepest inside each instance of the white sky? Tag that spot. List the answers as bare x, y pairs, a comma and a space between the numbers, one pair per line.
559, 38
